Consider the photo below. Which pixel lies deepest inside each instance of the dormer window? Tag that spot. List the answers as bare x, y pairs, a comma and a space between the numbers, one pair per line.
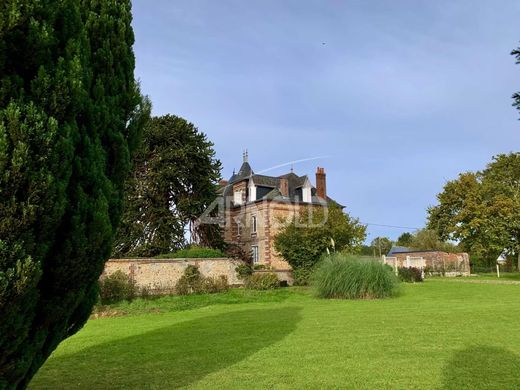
306, 191
238, 197
252, 190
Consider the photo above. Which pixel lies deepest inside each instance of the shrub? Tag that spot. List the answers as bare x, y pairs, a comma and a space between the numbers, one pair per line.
193, 252
262, 281
191, 282
302, 276
340, 276
116, 287
410, 274
211, 285
243, 271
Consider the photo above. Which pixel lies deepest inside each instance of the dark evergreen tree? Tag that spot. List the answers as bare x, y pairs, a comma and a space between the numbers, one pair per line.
70, 114
174, 180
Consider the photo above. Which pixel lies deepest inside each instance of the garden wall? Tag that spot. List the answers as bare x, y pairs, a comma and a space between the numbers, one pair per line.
449, 264
161, 275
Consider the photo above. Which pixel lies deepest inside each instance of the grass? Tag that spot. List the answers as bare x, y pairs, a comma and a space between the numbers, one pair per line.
435, 335
340, 276
503, 276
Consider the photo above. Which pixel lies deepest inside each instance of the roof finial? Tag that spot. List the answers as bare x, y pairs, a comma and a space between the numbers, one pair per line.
292, 170
245, 156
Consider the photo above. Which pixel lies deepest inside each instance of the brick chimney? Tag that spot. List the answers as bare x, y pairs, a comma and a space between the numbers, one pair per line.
284, 186
321, 183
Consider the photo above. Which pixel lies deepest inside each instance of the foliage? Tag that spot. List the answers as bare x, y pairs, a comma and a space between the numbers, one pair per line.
482, 210
382, 245
174, 180
302, 276
410, 274
348, 277
212, 285
192, 282
237, 252
405, 239
303, 240
189, 282
243, 271
193, 251
70, 118
262, 281
116, 287
428, 240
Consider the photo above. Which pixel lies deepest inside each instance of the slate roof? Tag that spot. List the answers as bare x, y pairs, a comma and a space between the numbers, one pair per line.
398, 249
295, 182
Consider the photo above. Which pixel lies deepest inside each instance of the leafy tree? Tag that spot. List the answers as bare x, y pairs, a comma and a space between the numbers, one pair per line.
428, 240
405, 239
174, 180
382, 245
70, 115
303, 240
482, 209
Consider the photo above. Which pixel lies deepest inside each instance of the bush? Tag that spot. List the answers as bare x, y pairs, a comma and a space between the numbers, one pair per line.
347, 277
193, 252
410, 274
302, 276
189, 282
116, 287
262, 281
243, 271
192, 282
211, 285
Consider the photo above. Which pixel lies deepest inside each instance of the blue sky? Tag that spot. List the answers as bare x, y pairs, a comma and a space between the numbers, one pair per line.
400, 96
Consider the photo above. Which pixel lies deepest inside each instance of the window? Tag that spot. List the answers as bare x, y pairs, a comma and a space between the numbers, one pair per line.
254, 253
253, 224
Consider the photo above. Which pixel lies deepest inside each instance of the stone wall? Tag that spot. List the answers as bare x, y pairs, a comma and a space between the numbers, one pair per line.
451, 264
161, 275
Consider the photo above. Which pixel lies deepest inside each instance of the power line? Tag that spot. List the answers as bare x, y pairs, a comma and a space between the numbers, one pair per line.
391, 226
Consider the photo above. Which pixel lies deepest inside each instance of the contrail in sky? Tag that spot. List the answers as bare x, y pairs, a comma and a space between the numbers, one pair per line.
292, 162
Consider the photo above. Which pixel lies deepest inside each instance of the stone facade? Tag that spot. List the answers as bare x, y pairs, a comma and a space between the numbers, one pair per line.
270, 217
256, 206
161, 275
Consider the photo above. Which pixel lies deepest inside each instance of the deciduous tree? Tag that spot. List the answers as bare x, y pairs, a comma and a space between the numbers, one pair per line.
304, 239
482, 209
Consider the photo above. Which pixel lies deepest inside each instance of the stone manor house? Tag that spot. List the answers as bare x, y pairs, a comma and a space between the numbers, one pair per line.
255, 207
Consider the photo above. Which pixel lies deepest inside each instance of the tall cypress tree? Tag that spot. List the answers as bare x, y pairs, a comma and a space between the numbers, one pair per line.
70, 116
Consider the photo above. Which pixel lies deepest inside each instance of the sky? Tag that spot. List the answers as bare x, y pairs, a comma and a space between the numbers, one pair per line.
393, 97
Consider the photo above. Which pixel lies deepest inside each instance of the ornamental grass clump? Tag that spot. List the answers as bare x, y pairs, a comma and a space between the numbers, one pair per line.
347, 277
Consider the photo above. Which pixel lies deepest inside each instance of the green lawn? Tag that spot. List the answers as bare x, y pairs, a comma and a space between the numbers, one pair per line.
438, 335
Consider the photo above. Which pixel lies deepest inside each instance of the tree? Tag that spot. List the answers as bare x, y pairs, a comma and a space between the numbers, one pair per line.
304, 239
428, 240
405, 239
382, 245
482, 210
174, 180
70, 115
